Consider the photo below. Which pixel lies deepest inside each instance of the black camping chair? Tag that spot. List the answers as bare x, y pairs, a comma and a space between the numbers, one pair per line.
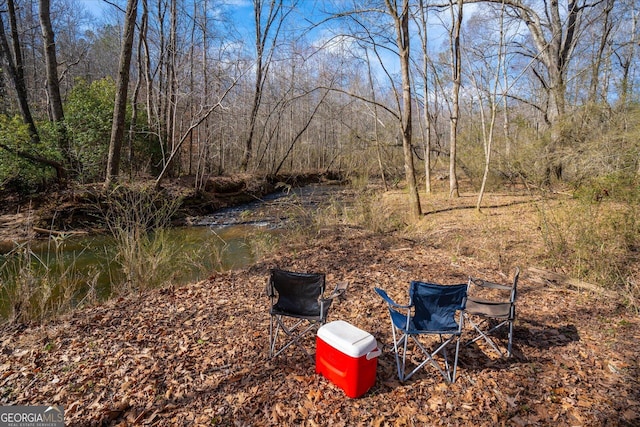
490, 307
433, 310
297, 307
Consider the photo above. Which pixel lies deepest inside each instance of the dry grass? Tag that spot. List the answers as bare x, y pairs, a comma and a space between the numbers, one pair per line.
594, 242
505, 232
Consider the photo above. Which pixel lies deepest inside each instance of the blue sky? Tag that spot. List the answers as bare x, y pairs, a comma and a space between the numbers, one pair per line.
242, 10
242, 13
95, 6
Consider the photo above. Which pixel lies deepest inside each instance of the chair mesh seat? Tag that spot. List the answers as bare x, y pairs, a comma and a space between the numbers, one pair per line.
498, 310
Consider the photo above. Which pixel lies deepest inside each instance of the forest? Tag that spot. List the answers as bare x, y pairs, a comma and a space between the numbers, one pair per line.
499, 91
469, 137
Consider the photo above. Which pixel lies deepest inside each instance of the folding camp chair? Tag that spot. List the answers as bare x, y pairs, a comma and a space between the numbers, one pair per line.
432, 310
490, 306
297, 307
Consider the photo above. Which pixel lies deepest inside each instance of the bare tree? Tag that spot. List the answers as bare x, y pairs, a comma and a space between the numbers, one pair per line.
119, 112
172, 83
15, 70
456, 78
485, 72
400, 15
376, 121
269, 17
554, 26
604, 41
53, 84
625, 48
423, 29
196, 121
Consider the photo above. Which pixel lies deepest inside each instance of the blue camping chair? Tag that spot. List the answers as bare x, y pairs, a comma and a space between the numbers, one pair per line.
432, 310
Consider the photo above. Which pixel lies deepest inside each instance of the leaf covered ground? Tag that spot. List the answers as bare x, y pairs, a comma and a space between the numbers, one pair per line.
197, 355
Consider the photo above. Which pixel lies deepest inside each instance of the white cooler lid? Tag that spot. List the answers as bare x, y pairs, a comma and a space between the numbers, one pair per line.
348, 339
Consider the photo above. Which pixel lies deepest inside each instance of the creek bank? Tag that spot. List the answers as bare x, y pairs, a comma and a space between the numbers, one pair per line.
79, 208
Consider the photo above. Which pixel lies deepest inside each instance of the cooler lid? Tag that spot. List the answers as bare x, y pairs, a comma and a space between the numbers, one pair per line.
347, 339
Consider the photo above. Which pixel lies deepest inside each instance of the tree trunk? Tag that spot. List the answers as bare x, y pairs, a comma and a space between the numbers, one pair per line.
625, 56
607, 26
493, 103
554, 54
172, 89
119, 112
15, 69
456, 75
260, 40
16, 74
401, 21
266, 32
53, 85
134, 99
425, 75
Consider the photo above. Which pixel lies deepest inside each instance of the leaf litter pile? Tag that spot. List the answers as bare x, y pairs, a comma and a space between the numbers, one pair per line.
197, 355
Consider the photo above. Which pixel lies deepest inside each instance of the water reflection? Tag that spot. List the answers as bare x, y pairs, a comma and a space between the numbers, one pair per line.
190, 254
211, 248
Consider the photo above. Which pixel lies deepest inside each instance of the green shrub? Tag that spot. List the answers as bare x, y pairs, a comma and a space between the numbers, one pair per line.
620, 186
16, 172
89, 116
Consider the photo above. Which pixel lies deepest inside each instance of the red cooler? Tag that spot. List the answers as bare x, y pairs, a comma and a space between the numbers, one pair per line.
347, 356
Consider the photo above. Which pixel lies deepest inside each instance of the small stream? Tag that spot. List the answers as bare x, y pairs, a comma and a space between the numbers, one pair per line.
225, 240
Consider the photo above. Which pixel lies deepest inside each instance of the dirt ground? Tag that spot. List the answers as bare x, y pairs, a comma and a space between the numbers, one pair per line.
197, 355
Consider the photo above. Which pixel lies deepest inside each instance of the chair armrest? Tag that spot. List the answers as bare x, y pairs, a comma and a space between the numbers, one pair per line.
389, 301
491, 285
339, 291
270, 289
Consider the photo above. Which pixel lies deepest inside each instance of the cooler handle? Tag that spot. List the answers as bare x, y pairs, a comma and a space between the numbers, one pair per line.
375, 353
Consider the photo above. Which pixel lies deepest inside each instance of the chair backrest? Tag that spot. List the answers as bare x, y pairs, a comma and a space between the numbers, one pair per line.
514, 292
487, 292
297, 293
435, 305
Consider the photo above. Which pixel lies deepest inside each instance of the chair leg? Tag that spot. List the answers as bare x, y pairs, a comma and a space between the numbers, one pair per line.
509, 345
446, 359
273, 333
485, 335
396, 347
401, 372
294, 334
429, 358
446, 372
400, 345
455, 362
